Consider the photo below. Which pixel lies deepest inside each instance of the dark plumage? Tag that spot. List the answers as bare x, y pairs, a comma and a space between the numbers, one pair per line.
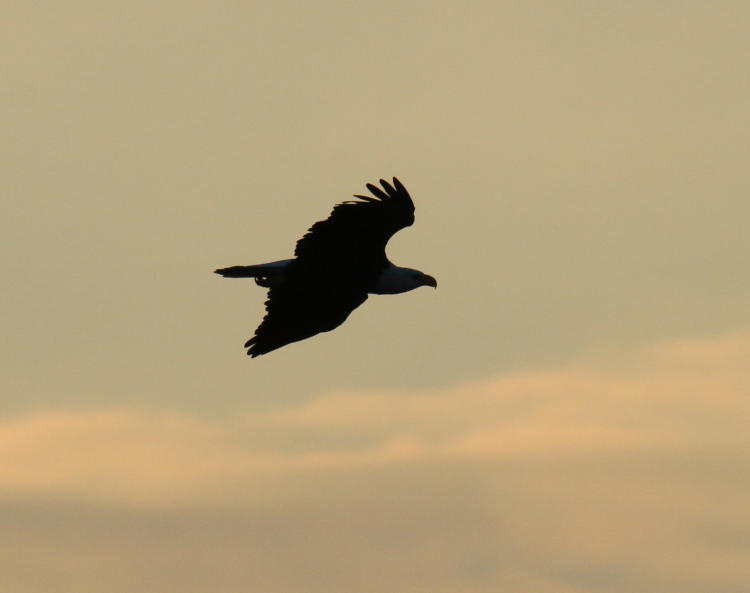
337, 263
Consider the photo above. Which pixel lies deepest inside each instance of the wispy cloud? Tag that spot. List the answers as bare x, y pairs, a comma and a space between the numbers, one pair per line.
629, 473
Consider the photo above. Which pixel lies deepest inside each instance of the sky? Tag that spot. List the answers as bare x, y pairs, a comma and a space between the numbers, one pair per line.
567, 412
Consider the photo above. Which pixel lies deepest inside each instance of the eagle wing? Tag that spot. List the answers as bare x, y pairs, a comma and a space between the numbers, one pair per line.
358, 230
337, 261
294, 313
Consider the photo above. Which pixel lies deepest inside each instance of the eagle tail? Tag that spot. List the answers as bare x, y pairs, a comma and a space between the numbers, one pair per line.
264, 274
240, 271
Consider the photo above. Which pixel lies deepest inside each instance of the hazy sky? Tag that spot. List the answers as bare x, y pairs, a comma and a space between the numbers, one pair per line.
567, 412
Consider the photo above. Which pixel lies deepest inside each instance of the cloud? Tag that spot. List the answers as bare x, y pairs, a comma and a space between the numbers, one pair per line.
622, 472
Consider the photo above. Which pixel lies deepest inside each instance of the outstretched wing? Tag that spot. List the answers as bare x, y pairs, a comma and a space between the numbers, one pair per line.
358, 230
295, 312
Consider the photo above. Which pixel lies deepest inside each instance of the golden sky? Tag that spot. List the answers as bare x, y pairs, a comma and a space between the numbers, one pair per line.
567, 412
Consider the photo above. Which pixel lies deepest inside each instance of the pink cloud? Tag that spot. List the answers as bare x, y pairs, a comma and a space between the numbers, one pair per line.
628, 472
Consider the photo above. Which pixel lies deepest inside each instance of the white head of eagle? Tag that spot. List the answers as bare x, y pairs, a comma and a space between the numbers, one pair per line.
336, 264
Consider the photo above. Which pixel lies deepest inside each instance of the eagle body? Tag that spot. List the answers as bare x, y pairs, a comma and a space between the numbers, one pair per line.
337, 263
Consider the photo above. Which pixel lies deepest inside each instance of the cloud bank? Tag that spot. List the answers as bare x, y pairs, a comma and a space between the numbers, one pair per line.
622, 472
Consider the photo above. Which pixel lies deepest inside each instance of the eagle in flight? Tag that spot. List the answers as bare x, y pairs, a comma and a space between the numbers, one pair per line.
335, 266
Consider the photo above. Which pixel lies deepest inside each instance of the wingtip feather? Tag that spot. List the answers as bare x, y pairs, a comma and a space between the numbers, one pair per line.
376, 191
388, 188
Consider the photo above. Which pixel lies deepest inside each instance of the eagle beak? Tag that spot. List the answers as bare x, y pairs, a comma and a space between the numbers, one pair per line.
429, 281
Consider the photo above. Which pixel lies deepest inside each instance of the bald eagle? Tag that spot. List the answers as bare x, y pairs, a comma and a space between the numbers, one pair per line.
335, 266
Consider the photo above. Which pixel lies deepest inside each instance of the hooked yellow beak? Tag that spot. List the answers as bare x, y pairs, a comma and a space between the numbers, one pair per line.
428, 280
